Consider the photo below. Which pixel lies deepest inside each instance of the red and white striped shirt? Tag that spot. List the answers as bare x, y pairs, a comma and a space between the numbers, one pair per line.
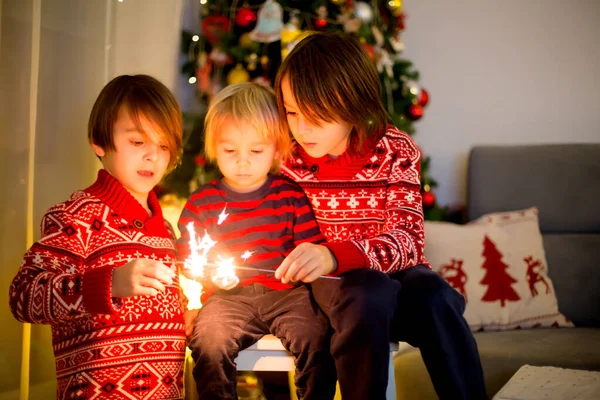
269, 222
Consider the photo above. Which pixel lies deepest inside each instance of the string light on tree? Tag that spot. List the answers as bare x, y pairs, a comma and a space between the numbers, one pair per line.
394, 5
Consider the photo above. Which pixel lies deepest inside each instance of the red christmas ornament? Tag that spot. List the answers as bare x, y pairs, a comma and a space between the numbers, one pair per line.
400, 19
214, 26
200, 160
415, 111
320, 23
423, 98
245, 17
428, 199
370, 50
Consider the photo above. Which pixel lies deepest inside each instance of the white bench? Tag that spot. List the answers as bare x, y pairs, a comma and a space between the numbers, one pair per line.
268, 354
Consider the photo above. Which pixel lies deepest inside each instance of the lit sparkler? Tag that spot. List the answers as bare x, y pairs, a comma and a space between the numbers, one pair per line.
222, 272
197, 261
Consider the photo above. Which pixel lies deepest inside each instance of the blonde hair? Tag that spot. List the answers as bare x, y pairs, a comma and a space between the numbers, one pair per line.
142, 96
248, 104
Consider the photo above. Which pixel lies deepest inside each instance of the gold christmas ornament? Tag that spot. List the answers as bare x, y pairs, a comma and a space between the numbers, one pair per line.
237, 75
252, 60
394, 5
264, 60
246, 41
290, 34
338, 2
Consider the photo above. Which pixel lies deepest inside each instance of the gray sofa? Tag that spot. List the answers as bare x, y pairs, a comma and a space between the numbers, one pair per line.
563, 181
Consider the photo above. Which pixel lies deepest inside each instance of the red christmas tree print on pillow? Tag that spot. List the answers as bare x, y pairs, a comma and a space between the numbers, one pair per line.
534, 268
496, 278
455, 275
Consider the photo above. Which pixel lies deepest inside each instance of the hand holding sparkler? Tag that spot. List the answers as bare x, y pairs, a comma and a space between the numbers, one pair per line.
306, 263
141, 277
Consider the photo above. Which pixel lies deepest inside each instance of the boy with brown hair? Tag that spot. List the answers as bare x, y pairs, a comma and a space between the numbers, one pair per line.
97, 274
363, 178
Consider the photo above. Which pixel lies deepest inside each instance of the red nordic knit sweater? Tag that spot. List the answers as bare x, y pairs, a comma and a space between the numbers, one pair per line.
368, 206
105, 348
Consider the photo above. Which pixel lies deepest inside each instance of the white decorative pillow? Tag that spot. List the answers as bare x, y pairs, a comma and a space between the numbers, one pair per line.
498, 264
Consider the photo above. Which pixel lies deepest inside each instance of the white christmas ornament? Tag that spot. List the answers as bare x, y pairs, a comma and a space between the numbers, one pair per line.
378, 36
385, 63
363, 11
397, 43
269, 23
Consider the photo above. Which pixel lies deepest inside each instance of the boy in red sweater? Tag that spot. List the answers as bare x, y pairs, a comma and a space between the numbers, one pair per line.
362, 177
267, 215
96, 275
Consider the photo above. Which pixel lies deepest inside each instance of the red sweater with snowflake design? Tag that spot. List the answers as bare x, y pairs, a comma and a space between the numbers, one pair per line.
132, 348
367, 205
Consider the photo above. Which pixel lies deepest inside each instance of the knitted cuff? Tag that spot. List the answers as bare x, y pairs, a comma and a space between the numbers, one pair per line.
348, 256
97, 290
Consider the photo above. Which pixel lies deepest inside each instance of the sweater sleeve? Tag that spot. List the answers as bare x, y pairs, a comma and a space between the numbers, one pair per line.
305, 228
401, 243
52, 284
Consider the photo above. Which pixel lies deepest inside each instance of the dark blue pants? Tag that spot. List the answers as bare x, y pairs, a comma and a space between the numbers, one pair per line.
231, 321
367, 309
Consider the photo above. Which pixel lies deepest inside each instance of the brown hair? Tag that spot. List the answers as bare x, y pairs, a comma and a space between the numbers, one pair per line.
333, 79
142, 96
247, 104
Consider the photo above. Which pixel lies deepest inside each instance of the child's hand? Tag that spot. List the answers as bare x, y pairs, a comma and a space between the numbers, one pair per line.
189, 316
141, 277
306, 263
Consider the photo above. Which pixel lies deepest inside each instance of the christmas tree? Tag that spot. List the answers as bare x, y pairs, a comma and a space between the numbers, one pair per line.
239, 41
498, 280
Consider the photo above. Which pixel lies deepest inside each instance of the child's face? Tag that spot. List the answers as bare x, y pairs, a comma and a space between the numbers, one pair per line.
243, 156
318, 140
140, 159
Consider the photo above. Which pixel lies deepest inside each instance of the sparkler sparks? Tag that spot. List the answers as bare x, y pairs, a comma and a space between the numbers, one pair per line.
246, 255
223, 216
223, 275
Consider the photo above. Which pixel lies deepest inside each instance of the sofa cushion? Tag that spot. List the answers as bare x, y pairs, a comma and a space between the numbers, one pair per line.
498, 264
573, 261
561, 180
502, 354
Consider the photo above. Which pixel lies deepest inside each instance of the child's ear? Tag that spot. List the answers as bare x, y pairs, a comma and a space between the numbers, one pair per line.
98, 150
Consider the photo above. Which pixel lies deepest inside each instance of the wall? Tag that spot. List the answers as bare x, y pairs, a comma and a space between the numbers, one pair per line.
502, 72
